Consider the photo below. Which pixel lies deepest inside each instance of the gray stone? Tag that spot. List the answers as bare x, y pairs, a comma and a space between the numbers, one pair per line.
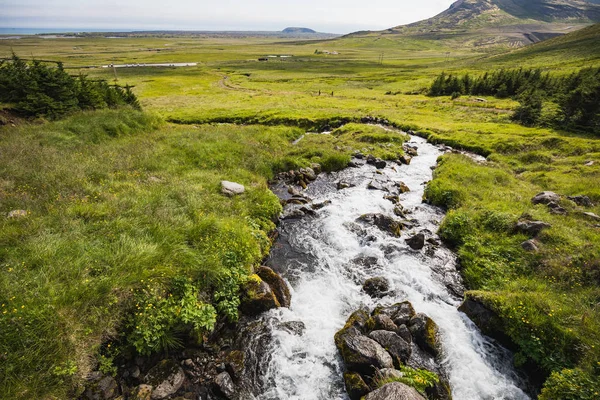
591, 216
405, 159
17, 214
376, 287
231, 188
376, 185
532, 228
383, 222
397, 347
225, 385
400, 313
384, 322
583, 201
360, 353
166, 377
104, 389
425, 333
417, 242
343, 185
387, 373
545, 198
394, 391
530, 245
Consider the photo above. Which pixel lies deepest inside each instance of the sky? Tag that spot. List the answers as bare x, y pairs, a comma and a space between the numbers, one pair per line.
332, 16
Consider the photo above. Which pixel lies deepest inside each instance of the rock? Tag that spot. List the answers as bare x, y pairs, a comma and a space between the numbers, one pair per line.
308, 174
353, 164
390, 373
166, 377
400, 313
295, 213
402, 187
358, 319
17, 214
394, 391
589, 163
355, 385
231, 188
293, 327
405, 159
545, 198
142, 392
425, 333
293, 191
591, 216
105, 389
532, 228
302, 184
134, 372
224, 384
399, 211
556, 208
257, 297
376, 287
343, 185
439, 391
297, 200
277, 285
359, 155
530, 245
395, 199
411, 150
397, 347
365, 261
360, 353
376, 185
380, 164
371, 159
384, 322
417, 242
404, 333
318, 206
383, 222
235, 363
583, 201
484, 317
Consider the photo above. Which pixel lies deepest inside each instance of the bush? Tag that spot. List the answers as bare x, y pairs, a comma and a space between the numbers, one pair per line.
571, 384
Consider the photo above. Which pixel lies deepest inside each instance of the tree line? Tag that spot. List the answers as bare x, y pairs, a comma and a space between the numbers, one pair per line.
38, 90
566, 102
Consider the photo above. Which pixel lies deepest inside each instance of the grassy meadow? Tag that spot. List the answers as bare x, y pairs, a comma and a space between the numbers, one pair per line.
123, 206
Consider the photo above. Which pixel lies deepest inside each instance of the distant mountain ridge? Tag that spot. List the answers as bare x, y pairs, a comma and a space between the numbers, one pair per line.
294, 29
487, 23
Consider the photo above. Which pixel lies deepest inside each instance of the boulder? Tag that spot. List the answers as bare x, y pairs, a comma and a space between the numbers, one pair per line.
294, 213
384, 322
317, 169
257, 297
104, 389
376, 287
383, 222
394, 198
371, 159
400, 313
359, 319
17, 214
397, 347
380, 164
355, 385
394, 391
231, 188
277, 285
532, 228
545, 198
484, 317
308, 174
166, 377
225, 385
292, 327
405, 159
416, 242
142, 392
318, 206
583, 201
556, 208
530, 245
425, 333
360, 353
390, 373
404, 333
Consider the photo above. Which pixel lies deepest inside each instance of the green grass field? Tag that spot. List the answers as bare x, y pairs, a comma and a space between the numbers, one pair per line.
118, 199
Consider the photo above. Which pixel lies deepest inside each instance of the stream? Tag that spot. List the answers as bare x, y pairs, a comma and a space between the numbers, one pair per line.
326, 258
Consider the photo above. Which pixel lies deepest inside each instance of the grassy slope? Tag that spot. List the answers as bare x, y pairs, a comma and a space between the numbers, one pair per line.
524, 162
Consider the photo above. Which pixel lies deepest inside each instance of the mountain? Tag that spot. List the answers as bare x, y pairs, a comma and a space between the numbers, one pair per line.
299, 30
514, 23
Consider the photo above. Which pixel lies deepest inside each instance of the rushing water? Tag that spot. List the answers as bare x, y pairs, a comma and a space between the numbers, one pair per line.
327, 257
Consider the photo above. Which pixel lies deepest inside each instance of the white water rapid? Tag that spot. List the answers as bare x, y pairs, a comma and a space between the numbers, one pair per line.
326, 269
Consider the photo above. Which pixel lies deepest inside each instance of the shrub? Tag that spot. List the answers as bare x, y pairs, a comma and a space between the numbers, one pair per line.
571, 384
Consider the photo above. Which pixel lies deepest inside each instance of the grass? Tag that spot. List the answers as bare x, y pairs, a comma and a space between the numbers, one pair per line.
117, 197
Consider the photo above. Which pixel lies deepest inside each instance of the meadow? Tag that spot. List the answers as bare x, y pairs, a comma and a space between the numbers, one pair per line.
118, 199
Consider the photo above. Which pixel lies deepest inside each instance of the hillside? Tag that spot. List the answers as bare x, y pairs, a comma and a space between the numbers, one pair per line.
513, 23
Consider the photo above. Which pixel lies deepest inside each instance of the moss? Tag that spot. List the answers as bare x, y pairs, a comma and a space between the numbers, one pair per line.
355, 385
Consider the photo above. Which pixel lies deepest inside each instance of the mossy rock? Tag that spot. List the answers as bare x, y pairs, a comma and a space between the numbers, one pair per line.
257, 297
355, 385
439, 391
277, 284
482, 313
359, 319
400, 313
425, 333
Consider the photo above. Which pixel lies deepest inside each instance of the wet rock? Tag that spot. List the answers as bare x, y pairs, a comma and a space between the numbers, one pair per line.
397, 347
433, 241
302, 184
439, 391
590, 215
384, 322
376, 287
353, 164
105, 389
142, 392
545, 198
416, 242
583, 201
371, 159
318, 206
295, 213
293, 191
277, 285
399, 211
380, 164
394, 391
308, 174
402, 187
317, 169
257, 297
411, 150
425, 333
376, 185
484, 317
400, 313
405, 159
365, 261
420, 359
166, 377
343, 185
235, 363
360, 353
355, 385
530, 245
293, 327
225, 385
383, 222
404, 333
532, 228
395, 199
297, 200
359, 155
17, 214
359, 319
231, 188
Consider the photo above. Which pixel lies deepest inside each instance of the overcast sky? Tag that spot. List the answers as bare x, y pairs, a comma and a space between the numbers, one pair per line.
335, 16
